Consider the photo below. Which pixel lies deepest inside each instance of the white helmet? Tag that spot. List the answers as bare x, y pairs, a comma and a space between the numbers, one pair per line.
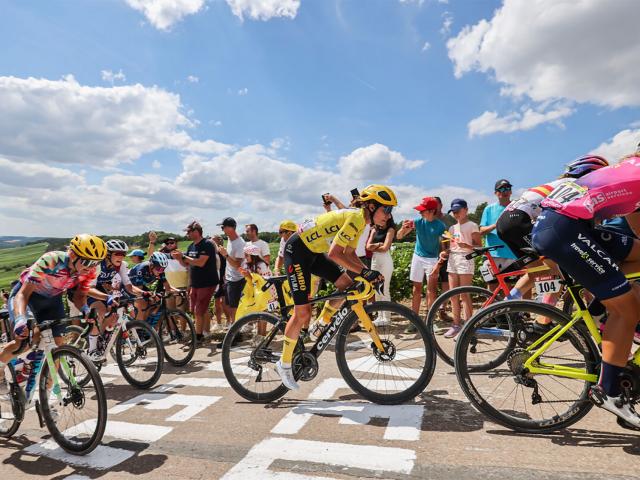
117, 246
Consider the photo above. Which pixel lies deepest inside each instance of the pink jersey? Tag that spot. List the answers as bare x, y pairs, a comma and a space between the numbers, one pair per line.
605, 193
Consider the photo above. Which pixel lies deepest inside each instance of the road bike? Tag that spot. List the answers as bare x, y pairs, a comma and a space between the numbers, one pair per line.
380, 361
133, 344
439, 318
535, 384
75, 414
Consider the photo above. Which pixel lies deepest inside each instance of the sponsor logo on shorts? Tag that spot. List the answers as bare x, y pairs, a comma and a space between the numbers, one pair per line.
297, 279
598, 251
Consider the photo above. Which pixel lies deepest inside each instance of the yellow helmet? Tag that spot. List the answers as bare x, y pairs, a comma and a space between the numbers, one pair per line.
289, 225
88, 246
379, 193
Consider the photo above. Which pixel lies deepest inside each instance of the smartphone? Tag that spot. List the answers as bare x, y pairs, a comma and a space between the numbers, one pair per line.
325, 199
355, 193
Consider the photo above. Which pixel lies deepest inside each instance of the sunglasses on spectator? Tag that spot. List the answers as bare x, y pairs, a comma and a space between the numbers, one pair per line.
503, 189
171, 242
85, 262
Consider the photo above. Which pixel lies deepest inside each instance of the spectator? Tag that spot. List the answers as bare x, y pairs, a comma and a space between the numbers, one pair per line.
287, 228
503, 256
220, 305
464, 235
251, 231
441, 266
234, 255
176, 273
427, 250
379, 243
153, 236
203, 275
254, 263
136, 256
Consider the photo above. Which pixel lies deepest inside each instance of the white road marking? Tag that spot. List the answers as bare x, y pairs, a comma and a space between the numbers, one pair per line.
102, 458
405, 421
134, 432
255, 465
194, 404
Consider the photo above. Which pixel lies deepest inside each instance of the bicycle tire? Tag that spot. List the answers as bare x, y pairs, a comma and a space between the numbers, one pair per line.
577, 336
168, 331
232, 339
435, 310
92, 442
8, 426
425, 373
152, 339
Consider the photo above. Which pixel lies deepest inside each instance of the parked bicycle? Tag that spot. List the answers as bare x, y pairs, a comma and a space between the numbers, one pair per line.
75, 413
382, 363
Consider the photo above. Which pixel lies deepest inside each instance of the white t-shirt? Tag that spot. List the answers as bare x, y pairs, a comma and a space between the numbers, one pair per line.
283, 242
235, 249
462, 233
263, 246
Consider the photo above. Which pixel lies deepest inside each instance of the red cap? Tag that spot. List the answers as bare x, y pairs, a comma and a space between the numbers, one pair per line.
428, 203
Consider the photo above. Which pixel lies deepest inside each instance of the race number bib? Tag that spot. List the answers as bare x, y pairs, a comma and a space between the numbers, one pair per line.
551, 285
567, 192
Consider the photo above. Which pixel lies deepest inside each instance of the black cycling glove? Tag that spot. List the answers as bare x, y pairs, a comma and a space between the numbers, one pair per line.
372, 276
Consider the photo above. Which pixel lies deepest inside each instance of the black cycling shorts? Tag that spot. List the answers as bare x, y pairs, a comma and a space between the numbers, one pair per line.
300, 263
589, 254
514, 229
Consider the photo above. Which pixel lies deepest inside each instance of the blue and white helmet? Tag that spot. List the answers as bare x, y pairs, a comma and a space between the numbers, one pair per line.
159, 259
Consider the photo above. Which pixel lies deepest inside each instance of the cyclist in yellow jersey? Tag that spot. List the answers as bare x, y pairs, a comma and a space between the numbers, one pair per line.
321, 247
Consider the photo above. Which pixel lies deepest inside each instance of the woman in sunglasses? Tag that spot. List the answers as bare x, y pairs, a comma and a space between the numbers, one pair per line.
320, 247
42, 285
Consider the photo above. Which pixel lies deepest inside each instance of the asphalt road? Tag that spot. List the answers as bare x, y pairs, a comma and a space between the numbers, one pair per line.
193, 426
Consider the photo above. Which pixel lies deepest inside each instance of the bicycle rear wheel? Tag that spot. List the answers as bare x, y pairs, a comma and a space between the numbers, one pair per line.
250, 351
492, 375
440, 316
77, 423
11, 406
139, 354
178, 337
403, 371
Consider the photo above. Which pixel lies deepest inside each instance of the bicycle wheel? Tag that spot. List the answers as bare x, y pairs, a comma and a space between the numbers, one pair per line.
405, 369
73, 337
507, 392
139, 354
440, 317
11, 405
178, 337
250, 351
76, 423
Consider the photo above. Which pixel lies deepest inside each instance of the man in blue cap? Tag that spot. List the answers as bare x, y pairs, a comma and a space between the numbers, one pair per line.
503, 256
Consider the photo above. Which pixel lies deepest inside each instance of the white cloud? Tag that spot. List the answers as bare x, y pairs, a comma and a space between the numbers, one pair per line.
426, 46
163, 14
447, 22
217, 123
63, 121
243, 91
37, 176
623, 143
192, 79
156, 164
109, 76
264, 9
580, 50
491, 122
375, 161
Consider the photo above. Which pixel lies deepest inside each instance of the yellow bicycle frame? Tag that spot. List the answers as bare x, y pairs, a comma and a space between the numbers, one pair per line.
364, 318
543, 343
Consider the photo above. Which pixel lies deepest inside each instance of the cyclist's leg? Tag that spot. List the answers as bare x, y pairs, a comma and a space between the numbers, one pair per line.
574, 245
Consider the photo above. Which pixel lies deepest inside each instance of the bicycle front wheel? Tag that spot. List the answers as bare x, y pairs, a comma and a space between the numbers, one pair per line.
78, 420
491, 369
250, 351
178, 337
399, 374
460, 302
139, 354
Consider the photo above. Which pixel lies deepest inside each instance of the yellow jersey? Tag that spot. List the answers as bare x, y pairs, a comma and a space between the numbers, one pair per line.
345, 226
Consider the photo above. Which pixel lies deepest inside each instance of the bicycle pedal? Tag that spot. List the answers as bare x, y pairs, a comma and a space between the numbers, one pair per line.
596, 396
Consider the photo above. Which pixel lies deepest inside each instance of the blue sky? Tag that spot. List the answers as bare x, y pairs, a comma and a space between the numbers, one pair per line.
126, 115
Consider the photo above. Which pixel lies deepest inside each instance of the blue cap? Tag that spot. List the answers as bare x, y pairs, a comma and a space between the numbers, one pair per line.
457, 204
137, 253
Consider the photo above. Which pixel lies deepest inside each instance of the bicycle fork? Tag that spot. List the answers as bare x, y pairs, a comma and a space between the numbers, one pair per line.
368, 325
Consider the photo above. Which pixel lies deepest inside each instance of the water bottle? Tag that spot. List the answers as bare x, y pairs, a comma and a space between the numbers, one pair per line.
36, 360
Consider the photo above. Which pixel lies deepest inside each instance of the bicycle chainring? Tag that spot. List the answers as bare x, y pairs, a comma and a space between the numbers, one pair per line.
305, 366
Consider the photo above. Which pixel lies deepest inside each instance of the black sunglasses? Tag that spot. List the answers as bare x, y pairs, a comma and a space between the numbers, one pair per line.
503, 189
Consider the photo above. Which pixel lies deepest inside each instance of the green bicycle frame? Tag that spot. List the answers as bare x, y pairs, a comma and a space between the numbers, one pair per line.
543, 343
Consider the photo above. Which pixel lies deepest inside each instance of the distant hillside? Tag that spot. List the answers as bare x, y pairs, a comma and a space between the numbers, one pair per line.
9, 241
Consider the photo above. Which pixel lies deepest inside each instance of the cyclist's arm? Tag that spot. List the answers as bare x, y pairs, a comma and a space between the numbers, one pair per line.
133, 290
633, 219
80, 298
346, 257
97, 294
21, 299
